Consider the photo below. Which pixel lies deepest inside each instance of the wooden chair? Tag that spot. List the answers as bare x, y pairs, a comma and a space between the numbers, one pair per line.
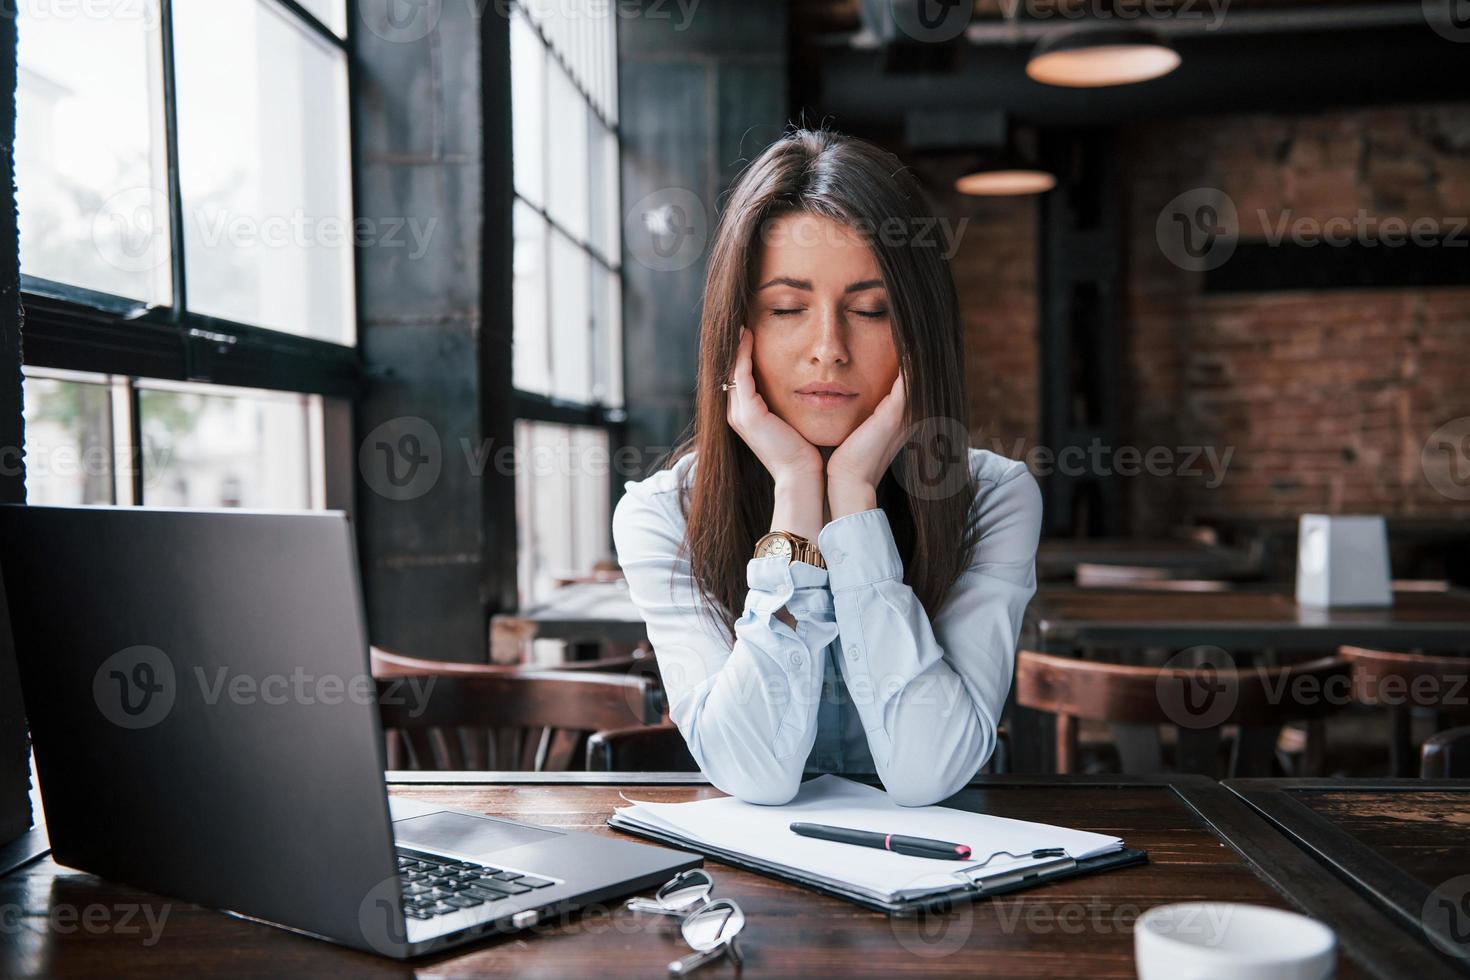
484, 716
1446, 755
1136, 701
642, 748
1402, 682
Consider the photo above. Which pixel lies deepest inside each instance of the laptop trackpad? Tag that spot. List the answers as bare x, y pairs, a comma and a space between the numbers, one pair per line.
465, 834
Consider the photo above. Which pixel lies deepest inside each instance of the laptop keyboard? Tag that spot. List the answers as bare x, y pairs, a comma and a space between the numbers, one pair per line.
437, 886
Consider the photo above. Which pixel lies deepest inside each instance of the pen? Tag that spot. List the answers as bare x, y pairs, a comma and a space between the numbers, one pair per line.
898, 843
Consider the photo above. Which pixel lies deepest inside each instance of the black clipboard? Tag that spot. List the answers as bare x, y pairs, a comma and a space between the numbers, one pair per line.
1059, 869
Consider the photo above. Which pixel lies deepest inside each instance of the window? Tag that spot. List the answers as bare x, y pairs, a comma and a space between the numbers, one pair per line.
193, 445
568, 292
187, 250
263, 160
91, 172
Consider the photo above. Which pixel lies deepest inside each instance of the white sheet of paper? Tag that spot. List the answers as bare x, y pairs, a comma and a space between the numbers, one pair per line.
764, 832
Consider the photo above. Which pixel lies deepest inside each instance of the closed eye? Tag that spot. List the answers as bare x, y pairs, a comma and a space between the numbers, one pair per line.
784, 312
871, 314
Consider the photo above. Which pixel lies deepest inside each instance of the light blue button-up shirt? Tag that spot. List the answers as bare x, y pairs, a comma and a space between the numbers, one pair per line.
865, 682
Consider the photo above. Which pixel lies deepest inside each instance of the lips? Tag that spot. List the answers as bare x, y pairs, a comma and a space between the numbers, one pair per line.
825, 388
825, 400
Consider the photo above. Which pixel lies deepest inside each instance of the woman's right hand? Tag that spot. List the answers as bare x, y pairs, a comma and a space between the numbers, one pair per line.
784, 452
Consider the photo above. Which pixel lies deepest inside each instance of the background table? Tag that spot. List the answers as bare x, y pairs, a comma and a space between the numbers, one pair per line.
1063, 620
1057, 558
1203, 843
1403, 843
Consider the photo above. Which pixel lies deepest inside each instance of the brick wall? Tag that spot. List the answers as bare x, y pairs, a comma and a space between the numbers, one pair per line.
994, 266
1327, 398
1324, 400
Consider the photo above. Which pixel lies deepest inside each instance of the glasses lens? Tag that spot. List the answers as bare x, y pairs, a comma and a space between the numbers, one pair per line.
687, 889
714, 924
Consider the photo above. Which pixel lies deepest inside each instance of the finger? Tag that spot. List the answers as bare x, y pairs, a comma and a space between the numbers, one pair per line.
743, 358
745, 373
741, 376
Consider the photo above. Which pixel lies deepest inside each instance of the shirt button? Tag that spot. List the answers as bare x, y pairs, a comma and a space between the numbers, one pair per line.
796, 660
854, 651
837, 556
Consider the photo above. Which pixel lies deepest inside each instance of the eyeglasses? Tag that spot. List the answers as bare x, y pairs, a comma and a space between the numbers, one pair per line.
709, 927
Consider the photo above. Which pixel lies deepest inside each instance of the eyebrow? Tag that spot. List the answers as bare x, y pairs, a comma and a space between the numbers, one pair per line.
852, 287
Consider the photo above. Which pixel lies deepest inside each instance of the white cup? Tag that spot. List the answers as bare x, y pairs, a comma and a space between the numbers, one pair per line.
1231, 941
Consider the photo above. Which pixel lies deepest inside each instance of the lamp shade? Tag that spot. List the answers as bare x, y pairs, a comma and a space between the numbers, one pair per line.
1011, 181
1091, 57
1004, 172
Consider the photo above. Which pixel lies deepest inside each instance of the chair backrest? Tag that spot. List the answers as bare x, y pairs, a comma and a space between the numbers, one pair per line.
1446, 755
442, 715
1177, 695
1385, 678
1198, 701
645, 748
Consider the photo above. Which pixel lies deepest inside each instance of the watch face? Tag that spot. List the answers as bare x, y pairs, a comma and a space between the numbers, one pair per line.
778, 546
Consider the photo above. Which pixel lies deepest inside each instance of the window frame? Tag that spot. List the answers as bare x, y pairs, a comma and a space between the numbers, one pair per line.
536, 406
70, 327
532, 406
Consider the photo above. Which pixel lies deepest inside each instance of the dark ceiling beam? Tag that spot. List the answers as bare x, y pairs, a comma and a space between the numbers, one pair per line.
1196, 17
1291, 72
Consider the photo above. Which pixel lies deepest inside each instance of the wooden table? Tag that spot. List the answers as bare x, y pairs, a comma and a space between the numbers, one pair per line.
1063, 620
1403, 843
1203, 843
1248, 618
1057, 558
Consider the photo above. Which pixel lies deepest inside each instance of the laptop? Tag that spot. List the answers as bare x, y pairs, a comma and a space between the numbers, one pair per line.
205, 726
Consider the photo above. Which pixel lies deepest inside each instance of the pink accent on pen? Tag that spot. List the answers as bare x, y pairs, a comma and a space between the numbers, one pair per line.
962, 850
887, 840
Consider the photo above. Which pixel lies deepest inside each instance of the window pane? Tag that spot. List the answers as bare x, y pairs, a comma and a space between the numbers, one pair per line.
228, 450
606, 225
263, 148
333, 13
566, 153
608, 337
563, 513
610, 71
69, 442
528, 92
90, 171
571, 334
531, 370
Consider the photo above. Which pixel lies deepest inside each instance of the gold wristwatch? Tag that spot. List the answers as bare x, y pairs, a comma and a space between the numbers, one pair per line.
794, 546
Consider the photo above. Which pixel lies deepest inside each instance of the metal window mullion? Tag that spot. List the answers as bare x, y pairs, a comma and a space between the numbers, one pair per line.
135, 436
545, 165
316, 25
175, 186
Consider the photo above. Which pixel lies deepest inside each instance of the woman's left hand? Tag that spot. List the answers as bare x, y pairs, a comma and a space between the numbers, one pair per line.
856, 467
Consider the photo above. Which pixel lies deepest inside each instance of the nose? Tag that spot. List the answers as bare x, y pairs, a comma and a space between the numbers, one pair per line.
830, 344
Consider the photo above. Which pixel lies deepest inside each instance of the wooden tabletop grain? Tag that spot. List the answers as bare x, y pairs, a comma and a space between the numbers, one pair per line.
1203, 843
1404, 844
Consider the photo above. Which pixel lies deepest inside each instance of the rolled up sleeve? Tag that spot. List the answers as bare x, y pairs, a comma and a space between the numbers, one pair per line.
747, 709
930, 694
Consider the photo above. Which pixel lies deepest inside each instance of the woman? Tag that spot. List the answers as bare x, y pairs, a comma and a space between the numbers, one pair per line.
886, 565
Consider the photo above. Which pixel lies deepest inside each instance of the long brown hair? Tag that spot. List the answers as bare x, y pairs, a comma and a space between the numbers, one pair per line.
731, 499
